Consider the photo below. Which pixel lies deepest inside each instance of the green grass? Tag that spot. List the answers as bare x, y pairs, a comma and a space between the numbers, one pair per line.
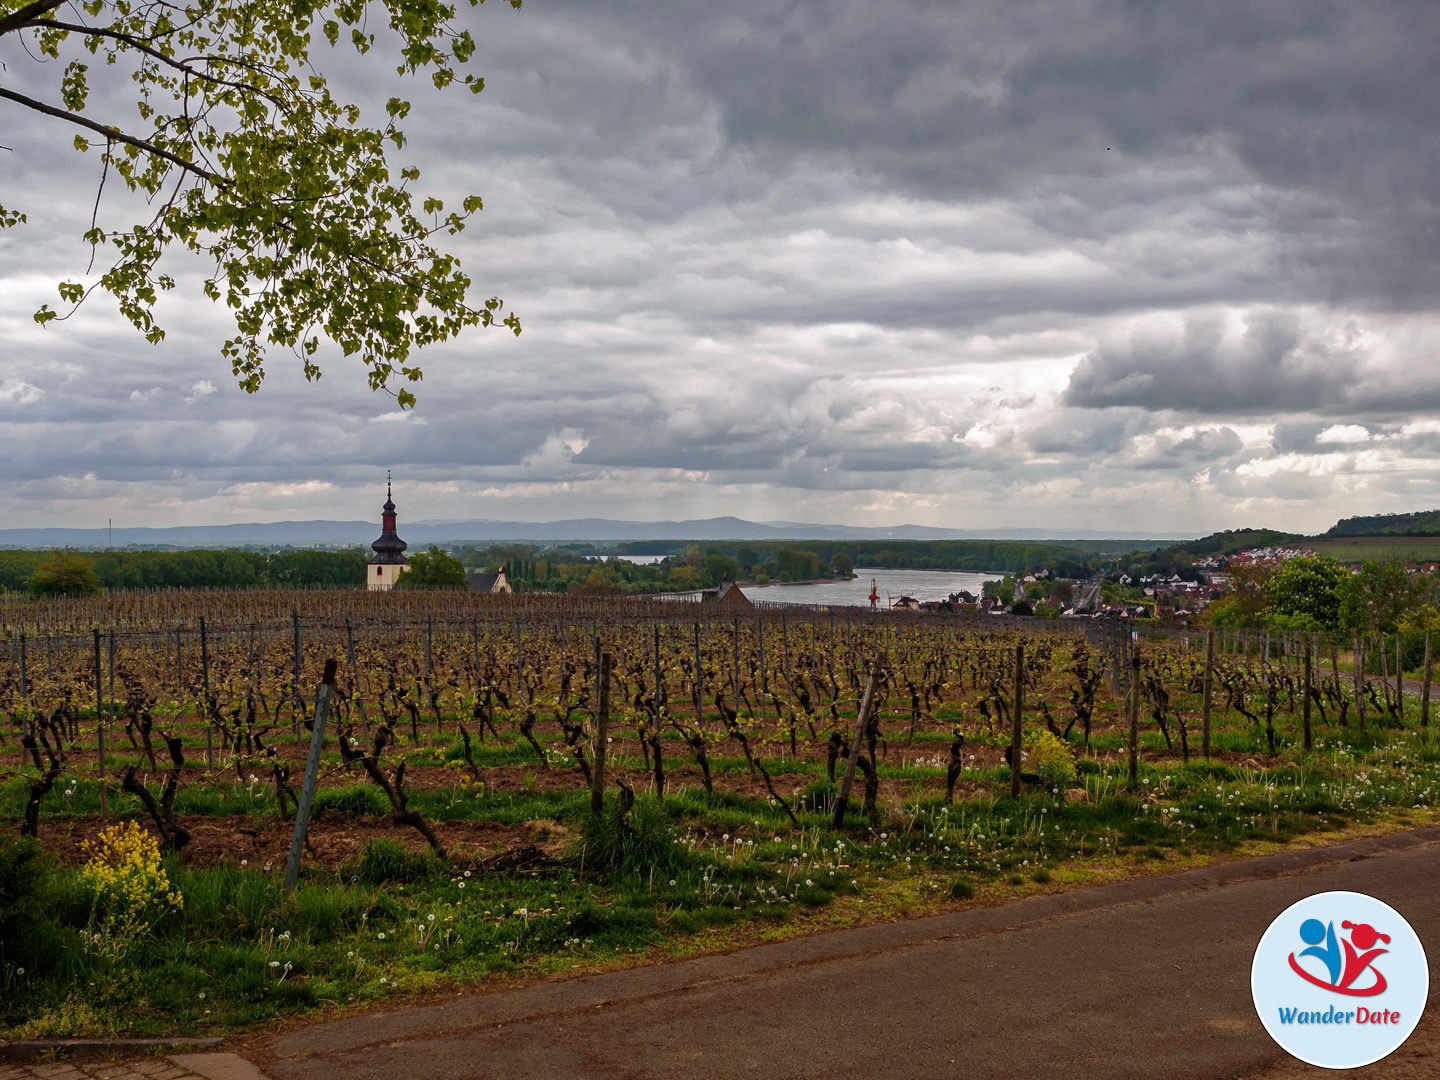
1379, 548
663, 876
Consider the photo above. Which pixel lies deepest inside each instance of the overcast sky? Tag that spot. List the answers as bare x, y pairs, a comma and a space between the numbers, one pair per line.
1093, 265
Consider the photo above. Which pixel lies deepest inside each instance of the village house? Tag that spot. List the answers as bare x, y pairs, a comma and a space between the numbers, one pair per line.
495, 583
726, 597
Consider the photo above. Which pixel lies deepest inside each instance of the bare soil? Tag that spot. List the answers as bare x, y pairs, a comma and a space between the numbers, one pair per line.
334, 838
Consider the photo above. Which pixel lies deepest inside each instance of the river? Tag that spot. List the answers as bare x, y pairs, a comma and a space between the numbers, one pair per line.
855, 592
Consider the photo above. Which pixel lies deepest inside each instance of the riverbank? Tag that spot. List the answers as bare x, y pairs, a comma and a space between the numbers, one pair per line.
753, 584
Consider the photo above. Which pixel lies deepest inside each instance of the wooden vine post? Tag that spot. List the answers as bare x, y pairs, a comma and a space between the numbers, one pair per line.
1425, 685
519, 659
1206, 686
655, 735
356, 691
760, 649
1132, 714
312, 766
843, 799
699, 683
100, 728
1335, 672
1400, 675
1305, 693
205, 695
299, 706
735, 663
602, 725
1016, 734
1359, 674
430, 676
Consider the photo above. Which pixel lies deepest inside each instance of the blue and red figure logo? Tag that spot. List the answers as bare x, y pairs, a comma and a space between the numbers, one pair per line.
1358, 956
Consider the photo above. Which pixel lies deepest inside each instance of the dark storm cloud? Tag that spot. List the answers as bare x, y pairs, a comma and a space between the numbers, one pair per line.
1270, 367
799, 248
1191, 451
1328, 104
1265, 369
1084, 433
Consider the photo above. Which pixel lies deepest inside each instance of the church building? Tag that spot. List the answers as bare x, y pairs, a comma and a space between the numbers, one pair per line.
388, 562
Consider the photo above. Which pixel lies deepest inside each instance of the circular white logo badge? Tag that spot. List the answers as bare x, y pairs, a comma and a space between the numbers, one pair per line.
1339, 980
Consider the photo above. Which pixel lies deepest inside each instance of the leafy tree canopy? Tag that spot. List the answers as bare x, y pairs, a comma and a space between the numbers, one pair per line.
1377, 597
432, 569
1248, 599
250, 162
1309, 589
1415, 523
68, 574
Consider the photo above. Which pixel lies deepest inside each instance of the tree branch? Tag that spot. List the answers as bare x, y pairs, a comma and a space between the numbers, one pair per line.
18, 20
112, 133
179, 65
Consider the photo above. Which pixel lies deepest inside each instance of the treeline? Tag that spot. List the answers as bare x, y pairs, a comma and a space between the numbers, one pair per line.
1228, 543
223, 569
979, 556
1416, 523
532, 569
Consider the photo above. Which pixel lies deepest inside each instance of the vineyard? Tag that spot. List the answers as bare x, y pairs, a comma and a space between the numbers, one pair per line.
542, 783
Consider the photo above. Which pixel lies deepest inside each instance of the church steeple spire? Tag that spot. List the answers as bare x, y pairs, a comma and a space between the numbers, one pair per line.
389, 549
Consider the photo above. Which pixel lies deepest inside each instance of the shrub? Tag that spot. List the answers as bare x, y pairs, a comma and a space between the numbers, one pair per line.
19, 907
130, 888
351, 799
384, 860
1052, 759
632, 839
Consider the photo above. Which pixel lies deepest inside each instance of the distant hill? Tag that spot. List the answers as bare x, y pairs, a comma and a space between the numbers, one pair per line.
602, 530
1415, 523
1415, 535
1233, 540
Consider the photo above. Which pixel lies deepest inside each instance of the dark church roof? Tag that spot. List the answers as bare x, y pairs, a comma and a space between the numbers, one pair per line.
389, 549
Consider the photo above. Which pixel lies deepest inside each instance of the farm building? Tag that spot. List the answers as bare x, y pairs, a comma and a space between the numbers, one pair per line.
726, 597
489, 583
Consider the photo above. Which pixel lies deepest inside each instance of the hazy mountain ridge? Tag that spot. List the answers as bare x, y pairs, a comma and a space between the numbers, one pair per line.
423, 532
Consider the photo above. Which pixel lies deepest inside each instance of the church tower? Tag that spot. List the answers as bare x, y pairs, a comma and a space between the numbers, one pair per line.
388, 562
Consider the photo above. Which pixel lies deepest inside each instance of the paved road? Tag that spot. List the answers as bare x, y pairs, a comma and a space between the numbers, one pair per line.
174, 1067
1140, 979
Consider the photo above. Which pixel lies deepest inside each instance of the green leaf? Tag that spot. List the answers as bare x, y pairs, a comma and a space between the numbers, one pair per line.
309, 231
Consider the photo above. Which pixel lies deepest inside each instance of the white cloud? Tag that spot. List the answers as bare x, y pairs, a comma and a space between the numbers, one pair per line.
200, 388
1344, 433
19, 392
